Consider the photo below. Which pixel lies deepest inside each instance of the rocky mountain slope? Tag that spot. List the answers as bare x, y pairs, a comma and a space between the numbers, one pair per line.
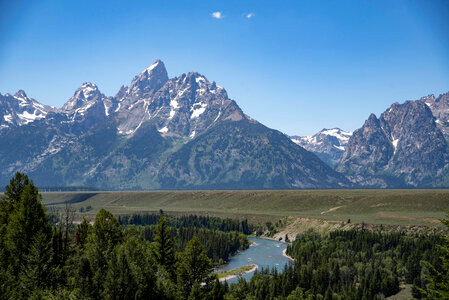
328, 144
405, 147
158, 133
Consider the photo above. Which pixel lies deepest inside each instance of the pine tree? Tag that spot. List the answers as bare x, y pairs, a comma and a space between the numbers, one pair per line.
81, 233
439, 278
162, 248
194, 266
14, 190
37, 271
105, 236
196, 293
119, 282
26, 237
218, 291
25, 223
84, 278
8, 202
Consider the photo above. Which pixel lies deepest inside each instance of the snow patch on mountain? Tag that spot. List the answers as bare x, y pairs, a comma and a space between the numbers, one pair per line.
8, 118
20, 109
197, 110
163, 129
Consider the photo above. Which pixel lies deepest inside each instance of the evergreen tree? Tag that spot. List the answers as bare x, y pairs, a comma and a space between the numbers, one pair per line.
8, 202
25, 223
107, 231
37, 271
106, 234
14, 190
196, 293
439, 277
194, 266
81, 233
218, 291
162, 248
25, 237
119, 282
10, 199
83, 278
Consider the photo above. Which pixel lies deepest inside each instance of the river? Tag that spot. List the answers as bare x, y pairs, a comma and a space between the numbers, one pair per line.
266, 254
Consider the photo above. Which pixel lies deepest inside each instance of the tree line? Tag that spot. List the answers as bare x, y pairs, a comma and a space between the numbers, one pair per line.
208, 222
219, 245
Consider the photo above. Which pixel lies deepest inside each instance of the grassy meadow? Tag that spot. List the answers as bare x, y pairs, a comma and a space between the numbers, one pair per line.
392, 207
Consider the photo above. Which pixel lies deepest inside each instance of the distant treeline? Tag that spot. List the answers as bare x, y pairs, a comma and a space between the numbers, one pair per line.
217, 223
347, 265
67, 189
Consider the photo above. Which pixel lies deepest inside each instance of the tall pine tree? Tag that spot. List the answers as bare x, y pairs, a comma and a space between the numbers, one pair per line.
162, 248
26, 239
439, 278
194, 267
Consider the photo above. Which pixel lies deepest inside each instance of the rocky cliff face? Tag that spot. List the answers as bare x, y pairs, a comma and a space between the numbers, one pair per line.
177, 133
404, 147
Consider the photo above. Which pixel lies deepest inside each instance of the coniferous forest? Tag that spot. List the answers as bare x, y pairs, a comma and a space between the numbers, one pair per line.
43, 256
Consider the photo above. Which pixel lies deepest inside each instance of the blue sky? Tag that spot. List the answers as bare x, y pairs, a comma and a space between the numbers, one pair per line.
296, 66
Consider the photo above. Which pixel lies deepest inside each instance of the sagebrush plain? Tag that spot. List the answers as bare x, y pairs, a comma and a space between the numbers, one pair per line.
390, 207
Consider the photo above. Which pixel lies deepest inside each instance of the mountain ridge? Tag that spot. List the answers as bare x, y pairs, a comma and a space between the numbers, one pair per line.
173, 133
404, 147
185, 132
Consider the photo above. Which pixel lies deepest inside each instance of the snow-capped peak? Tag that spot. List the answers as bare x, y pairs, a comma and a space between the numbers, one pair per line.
342, 136
85, 95
328, 144
20, 109
88, 90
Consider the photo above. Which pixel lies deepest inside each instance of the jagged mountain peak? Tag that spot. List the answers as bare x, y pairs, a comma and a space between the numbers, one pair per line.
372, 118
85, 95
157, 64
182, 108
428, 99
20, 94
405, 146
440, 110
149, 80
88, 91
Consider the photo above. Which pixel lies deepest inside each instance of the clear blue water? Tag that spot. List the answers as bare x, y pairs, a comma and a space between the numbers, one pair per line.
266, 254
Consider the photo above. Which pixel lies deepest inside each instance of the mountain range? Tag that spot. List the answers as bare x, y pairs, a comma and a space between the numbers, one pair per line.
157, 133
186, 133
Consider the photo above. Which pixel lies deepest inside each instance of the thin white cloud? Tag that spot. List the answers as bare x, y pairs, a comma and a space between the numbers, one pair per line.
217, 15
250, 15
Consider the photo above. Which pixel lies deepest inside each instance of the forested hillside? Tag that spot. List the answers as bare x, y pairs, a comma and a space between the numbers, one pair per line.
348, 265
